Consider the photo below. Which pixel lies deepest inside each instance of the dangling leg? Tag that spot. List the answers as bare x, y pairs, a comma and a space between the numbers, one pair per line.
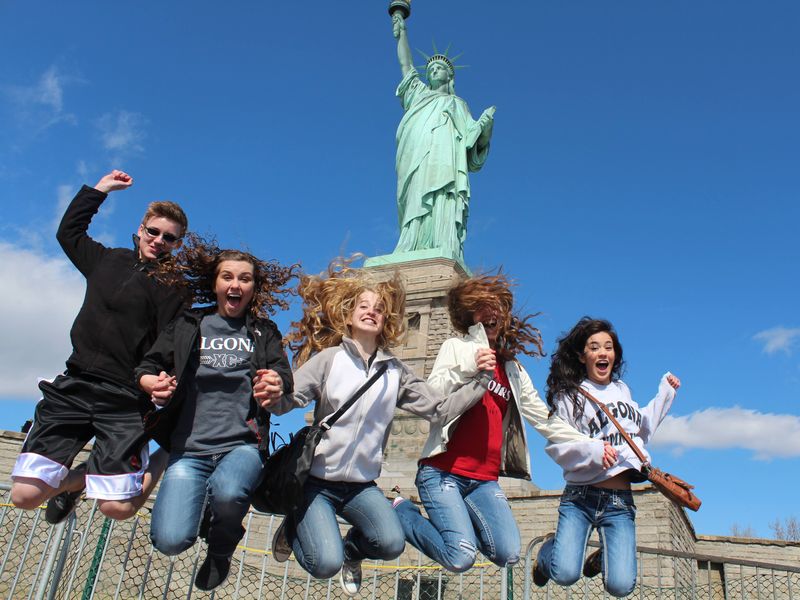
447, 535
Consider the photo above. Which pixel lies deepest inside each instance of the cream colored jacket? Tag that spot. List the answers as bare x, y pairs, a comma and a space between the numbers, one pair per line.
455, 366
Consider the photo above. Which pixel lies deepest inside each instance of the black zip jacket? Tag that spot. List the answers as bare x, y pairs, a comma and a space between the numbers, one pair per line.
124, 308
178, 349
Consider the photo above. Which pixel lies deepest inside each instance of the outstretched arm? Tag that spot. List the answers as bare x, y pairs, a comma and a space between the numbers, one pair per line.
421, 399
403, 50
658, 407
588, 458
72, 233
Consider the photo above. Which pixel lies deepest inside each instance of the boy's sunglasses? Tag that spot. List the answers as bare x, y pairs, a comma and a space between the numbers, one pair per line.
154, 232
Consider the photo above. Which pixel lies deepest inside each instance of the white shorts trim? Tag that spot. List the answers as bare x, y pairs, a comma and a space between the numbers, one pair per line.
118, 487
39, 467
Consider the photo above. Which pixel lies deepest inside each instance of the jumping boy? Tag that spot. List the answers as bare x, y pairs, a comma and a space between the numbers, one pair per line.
97, 397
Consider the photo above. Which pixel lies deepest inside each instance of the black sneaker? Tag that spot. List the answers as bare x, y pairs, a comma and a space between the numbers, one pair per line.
539, 578
60, 506
281, 550
213, 572
593, 564
350, 577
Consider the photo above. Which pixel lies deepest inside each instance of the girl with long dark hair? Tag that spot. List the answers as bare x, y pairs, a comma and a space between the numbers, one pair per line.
589, 357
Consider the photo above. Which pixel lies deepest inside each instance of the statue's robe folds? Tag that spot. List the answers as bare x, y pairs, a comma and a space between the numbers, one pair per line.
437, 146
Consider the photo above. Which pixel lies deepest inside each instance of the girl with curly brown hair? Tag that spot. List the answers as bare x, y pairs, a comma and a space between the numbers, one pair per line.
463, 457
349, 321
210, 372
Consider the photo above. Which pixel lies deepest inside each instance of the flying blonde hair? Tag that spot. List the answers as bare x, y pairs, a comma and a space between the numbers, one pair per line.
329, 300
515, 334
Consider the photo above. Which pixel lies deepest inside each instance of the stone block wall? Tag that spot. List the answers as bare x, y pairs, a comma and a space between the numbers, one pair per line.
758, 549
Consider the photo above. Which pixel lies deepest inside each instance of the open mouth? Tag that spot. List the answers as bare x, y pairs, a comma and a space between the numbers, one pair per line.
602, 365
490, 324
233, 298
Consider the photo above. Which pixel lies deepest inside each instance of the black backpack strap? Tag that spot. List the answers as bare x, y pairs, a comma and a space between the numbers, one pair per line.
328, 422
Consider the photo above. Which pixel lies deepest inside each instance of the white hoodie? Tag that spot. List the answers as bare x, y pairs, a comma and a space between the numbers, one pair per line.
352, 450
577, 458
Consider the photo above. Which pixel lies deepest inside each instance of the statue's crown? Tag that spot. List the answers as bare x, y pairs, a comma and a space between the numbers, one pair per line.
443, 59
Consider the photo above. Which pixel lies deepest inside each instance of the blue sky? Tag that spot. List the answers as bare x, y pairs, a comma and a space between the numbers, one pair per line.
644, 168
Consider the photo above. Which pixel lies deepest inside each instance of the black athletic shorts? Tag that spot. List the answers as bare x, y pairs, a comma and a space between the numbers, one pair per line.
73, 410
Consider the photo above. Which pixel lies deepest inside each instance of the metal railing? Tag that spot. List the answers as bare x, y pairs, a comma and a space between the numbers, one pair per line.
90, 557
672, 575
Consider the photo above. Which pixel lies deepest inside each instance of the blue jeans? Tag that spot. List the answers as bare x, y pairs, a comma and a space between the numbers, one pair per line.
465, 514
229, 478
314, 533
583, 508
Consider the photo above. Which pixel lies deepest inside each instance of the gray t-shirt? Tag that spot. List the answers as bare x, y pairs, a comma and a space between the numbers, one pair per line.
213, 416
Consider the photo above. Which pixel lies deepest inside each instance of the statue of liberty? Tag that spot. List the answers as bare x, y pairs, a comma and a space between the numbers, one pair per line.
438, 144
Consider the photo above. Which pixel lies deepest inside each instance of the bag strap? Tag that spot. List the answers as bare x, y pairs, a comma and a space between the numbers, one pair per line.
329, 421
624, 433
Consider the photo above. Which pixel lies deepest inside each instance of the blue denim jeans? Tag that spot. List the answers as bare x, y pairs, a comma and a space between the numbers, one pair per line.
314, 533
229, 478
584, 508
463, 515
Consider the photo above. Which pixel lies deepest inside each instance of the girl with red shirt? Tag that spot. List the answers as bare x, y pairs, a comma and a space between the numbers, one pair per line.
463, 458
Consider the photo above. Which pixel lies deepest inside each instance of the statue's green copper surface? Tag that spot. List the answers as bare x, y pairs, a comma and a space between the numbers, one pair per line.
438, 144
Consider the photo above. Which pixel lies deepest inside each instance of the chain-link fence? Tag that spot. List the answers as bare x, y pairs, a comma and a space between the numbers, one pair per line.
672, 575
91, 557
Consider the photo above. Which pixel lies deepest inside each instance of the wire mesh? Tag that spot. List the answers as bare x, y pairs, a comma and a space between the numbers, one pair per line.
95, 558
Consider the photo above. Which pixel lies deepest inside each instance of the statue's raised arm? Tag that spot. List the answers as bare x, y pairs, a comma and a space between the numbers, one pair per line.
403, 49
438, 144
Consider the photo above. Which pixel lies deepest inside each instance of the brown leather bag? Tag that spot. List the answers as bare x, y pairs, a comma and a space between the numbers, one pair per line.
674, 488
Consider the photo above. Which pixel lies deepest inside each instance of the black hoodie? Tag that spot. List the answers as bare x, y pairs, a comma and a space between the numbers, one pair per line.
124, 308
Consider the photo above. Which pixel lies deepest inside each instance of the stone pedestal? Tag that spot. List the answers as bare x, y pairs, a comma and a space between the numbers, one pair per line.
426, 282
418, 256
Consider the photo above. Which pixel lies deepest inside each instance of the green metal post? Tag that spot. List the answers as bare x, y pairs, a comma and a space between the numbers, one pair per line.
96, 560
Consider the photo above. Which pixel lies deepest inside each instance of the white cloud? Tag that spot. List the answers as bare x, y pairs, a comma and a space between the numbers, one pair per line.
83, 170
50, 91
43, 102
42, 295
767, 435
778, 339
122, 133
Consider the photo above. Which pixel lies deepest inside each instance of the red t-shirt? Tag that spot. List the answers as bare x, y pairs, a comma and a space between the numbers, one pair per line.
474, 447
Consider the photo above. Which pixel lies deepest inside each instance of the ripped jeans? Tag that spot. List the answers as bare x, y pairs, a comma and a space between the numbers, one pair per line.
464, 515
